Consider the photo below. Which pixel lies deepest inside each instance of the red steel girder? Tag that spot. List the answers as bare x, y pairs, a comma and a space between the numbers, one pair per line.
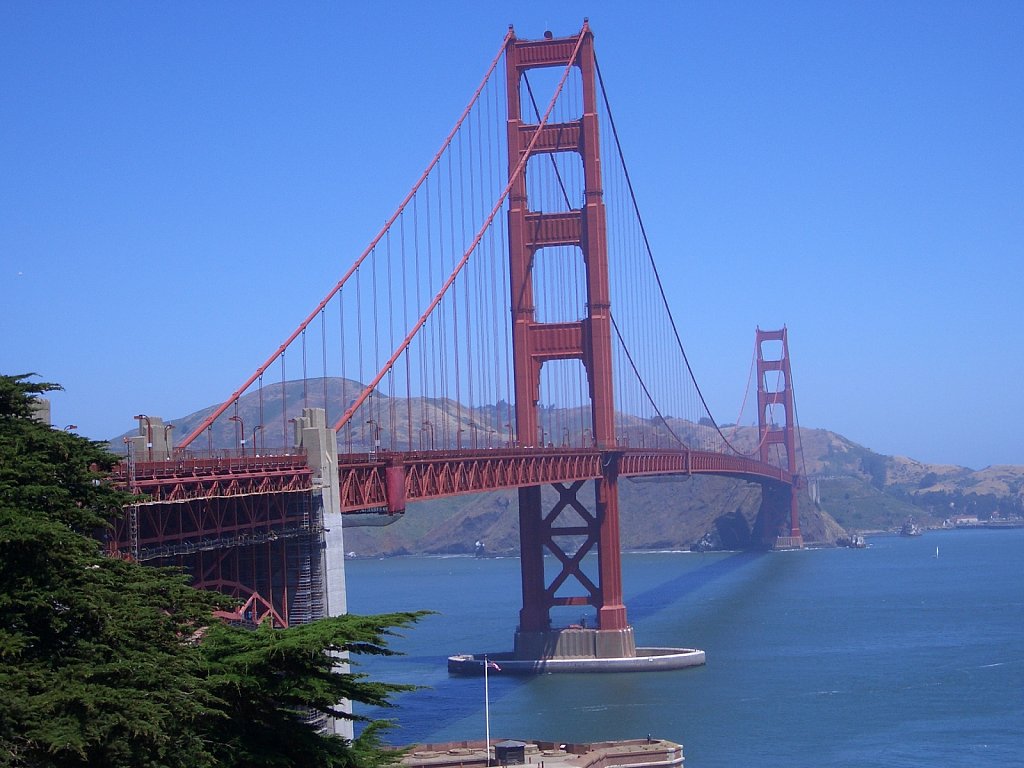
552, 137
172, 524
637, 462
369, 482
544, 230
436, 474
183, 479
236, 499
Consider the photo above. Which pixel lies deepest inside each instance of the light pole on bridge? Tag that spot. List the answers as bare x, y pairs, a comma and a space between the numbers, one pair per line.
167, 440
374, 436
149, 435
241, 424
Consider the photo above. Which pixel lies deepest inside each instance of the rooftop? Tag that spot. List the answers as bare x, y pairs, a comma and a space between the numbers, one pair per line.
637, 753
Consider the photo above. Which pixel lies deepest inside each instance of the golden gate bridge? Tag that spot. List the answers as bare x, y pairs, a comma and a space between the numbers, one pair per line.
506, 328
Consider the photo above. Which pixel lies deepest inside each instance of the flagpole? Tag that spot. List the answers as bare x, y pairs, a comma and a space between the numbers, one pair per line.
487, 713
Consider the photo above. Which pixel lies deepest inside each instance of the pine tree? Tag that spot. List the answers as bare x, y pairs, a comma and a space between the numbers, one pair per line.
108, 662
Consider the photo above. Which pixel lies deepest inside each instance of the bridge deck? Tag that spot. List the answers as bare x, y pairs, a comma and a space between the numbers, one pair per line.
386, 481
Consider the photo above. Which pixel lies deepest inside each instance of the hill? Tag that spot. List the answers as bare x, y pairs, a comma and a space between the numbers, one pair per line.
850, 488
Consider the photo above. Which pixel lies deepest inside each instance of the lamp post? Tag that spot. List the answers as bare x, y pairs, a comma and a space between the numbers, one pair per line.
427, 425
149, 435
508, 426
257, 428
588, 438
167, 440
374, 435
296, 438
487, 666
241, 425
565, 436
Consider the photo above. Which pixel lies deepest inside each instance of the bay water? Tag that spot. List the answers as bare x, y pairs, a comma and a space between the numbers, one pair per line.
894, 655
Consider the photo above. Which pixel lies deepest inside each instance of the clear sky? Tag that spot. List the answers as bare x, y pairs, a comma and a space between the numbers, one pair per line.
181, 182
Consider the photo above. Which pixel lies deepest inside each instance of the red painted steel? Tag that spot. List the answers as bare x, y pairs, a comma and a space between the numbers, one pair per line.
189, 478
588, 341
252, 612
780, 397
170, 527
224, 497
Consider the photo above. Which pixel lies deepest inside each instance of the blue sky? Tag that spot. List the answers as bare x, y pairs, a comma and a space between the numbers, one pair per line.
180, 183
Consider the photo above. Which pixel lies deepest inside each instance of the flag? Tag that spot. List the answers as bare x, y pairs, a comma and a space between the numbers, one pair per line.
492, 665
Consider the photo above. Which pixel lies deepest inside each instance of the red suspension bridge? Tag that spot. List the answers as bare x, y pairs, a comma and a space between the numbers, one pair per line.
506, 328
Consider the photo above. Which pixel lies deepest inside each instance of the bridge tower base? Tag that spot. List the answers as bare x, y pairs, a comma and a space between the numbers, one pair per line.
575, 643
774, 527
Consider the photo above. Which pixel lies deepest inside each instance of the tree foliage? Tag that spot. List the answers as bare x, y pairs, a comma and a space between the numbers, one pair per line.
108, 662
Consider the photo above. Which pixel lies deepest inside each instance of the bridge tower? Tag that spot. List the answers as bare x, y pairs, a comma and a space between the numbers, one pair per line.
776, 421
587, 340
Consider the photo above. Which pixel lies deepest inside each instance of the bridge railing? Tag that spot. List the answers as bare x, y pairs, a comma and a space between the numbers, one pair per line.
212, 464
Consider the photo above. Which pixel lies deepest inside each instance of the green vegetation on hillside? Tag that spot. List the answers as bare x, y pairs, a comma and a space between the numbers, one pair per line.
107, 662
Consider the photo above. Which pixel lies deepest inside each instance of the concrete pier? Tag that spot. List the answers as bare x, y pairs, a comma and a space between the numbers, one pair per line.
577, 649
646, 660
575, 642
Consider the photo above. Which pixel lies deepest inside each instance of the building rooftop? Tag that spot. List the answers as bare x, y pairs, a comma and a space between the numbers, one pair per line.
636, 753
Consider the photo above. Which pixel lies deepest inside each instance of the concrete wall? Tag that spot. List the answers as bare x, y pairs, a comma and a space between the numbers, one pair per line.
154, 440
321, 445
572, 643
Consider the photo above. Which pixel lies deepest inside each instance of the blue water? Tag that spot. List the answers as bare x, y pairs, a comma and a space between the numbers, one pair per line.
887, 656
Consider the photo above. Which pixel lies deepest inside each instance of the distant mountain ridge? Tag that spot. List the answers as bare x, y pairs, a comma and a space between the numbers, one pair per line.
855, 489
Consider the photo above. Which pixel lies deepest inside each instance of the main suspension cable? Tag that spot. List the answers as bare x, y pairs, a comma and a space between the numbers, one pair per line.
650, 255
